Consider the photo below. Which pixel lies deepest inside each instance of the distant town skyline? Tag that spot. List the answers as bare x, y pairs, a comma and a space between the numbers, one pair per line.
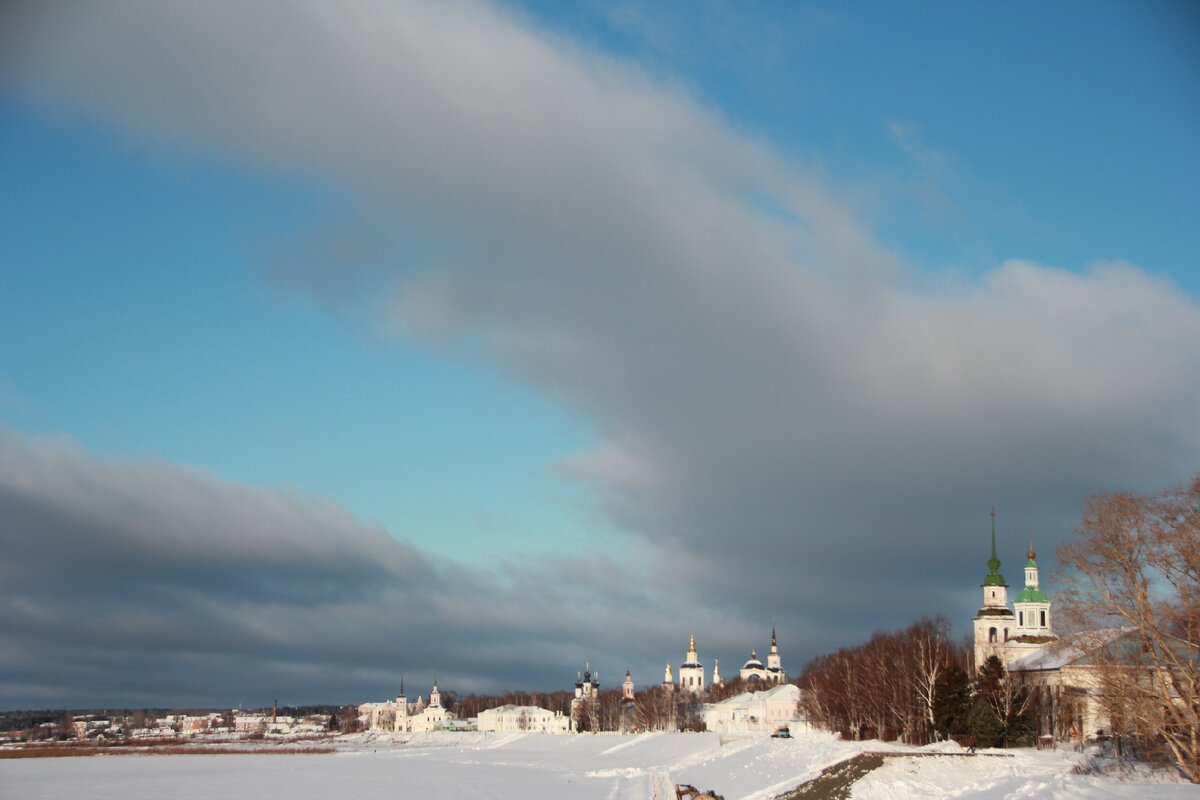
346, 341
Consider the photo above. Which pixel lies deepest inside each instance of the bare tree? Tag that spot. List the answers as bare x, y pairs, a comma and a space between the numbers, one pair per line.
656, 709
610, 708
887, 687
1135, 562
348, 719
932, 655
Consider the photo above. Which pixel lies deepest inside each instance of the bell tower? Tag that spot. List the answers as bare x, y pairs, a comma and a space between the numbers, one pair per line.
995, 621
401, 722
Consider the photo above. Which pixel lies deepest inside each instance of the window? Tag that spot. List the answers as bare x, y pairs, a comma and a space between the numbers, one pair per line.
1021, 619
1043, 619
992, 635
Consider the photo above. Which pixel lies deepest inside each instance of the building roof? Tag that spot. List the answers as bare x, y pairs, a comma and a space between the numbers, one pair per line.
784, 691
1074, 649
510, 709
1031, 594
994, 578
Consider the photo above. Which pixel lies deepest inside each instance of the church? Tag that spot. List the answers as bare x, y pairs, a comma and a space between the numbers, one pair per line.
1011, 633
1064, 670
772, 673
401, 717
692, 671
587, 689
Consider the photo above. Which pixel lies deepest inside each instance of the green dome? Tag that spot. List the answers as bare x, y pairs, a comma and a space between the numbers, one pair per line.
1031, 594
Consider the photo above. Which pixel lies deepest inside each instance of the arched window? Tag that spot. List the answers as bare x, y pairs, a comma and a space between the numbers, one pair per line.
1043, 619
992, 635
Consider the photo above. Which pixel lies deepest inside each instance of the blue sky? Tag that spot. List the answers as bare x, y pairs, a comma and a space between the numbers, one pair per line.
157, 333
587, 327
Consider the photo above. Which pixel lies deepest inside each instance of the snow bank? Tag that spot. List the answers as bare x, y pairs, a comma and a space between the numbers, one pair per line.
1003, 774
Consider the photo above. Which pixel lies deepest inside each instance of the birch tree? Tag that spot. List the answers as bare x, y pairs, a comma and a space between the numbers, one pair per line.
1134, 562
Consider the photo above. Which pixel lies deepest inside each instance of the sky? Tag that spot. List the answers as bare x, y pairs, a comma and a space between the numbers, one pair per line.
483, 341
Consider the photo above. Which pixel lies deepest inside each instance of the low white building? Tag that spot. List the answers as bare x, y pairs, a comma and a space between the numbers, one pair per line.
250, 723
755, 711
524, 719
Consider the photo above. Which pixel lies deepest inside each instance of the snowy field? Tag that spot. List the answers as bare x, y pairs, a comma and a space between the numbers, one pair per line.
526, 766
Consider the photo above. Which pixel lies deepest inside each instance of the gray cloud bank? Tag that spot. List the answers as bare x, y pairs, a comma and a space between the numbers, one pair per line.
793, 420
143, 583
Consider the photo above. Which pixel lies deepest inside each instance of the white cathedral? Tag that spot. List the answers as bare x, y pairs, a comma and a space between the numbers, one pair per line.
691, 671
772, 673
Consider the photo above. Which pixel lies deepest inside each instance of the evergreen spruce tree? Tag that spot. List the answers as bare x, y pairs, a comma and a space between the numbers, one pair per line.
1004, 709
952, 703
984, 727
987, 718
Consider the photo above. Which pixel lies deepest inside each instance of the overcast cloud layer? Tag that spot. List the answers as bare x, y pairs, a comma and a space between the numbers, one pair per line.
793, 421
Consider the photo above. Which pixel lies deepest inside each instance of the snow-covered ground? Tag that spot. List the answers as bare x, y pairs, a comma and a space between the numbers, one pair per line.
473, 766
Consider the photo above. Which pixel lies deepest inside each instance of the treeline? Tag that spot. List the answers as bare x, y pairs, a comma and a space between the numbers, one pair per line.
913, 685
470, 705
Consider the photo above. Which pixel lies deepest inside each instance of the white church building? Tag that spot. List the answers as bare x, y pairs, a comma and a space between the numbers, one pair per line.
692, 670
1065, 671
399, 716
771, 673
1011, 633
